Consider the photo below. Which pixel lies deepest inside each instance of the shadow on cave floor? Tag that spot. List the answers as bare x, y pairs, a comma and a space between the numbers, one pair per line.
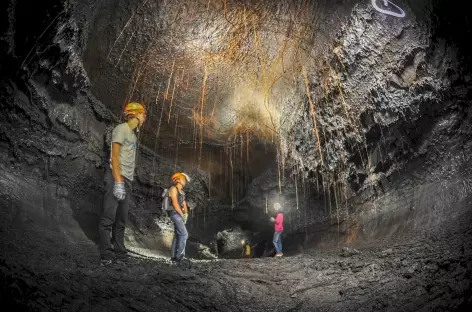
86, 210
88, 223
50, 268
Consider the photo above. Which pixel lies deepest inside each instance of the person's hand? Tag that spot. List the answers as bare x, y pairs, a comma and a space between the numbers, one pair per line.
272, 219
185, 218
119, 190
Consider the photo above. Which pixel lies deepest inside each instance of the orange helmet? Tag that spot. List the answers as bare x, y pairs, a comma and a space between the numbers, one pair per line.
179, 175
133, 108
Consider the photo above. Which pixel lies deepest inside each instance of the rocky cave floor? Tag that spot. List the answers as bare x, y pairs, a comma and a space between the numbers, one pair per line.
50, 267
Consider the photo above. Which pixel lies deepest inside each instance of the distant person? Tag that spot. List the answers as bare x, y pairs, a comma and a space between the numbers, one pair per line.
278, 229
118, 180
178, 213
247, 249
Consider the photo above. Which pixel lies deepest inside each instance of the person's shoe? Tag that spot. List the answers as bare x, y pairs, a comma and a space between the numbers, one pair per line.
182, 263
279, 254
106, 262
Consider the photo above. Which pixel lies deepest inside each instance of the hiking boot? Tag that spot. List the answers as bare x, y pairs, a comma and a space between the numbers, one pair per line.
182, 263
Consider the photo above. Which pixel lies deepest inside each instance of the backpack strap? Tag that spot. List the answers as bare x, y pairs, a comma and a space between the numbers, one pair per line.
165, 200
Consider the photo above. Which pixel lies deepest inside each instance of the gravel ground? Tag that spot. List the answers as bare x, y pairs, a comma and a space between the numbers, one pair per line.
51, 267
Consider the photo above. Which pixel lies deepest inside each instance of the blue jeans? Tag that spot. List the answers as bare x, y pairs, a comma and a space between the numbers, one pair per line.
278, 242
179, 241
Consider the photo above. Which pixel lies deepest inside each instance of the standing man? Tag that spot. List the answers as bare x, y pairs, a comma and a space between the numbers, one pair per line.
118, 185
178, 213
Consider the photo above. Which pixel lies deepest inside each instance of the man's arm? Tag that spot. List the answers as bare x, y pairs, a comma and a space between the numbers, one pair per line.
115, 162
278, 219
185, 210
118, 137
175, 201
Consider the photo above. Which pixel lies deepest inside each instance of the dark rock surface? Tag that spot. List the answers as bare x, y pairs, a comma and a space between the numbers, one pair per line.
422, 276
57, 134
391, 104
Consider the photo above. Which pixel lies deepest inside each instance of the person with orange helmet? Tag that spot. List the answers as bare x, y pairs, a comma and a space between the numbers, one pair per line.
118, 184
178, 212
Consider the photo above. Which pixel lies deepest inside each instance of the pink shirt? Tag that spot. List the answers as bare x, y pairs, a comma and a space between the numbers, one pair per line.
279, 222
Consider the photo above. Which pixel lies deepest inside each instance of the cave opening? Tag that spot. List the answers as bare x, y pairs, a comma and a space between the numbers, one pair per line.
354, 116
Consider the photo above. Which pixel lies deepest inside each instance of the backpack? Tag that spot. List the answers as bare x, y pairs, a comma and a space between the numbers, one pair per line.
166, 205
165, 200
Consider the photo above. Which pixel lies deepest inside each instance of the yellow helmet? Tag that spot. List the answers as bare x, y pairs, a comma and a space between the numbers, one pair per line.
133, 108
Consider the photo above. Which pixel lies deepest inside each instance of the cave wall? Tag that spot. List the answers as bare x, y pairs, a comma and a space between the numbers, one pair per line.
391, 102
55, 134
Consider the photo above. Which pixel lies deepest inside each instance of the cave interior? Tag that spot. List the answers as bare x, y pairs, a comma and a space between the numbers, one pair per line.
355, 116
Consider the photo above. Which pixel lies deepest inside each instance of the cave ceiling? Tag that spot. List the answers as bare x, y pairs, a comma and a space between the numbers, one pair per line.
211, 72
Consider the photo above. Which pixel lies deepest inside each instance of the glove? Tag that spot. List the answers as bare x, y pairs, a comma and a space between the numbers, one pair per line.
119, 190
272, 219
185, 218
